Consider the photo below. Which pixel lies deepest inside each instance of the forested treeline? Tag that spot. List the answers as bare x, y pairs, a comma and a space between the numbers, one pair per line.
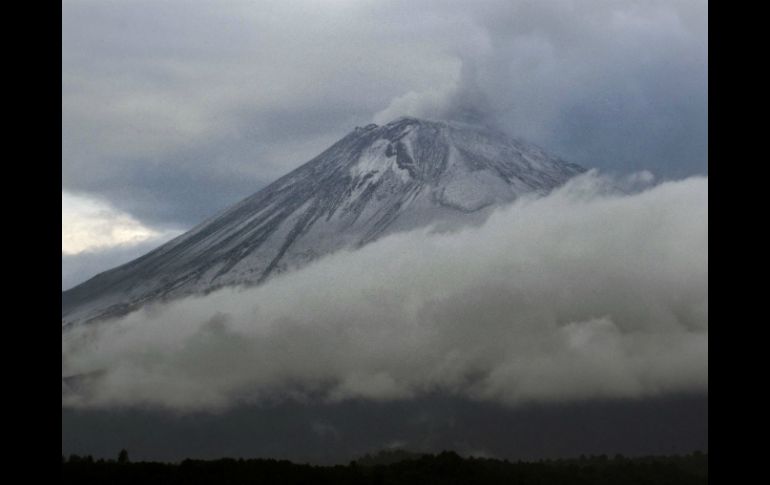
395, 468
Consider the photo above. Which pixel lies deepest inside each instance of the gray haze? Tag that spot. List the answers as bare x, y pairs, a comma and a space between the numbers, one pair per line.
597, 291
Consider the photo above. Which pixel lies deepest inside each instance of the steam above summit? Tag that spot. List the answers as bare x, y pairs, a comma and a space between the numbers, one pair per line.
375, 181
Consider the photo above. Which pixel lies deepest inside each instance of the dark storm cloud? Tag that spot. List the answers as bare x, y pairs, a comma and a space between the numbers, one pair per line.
585, 294
172, 110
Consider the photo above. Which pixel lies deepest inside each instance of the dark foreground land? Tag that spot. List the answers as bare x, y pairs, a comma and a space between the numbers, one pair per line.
330, 433
396, 468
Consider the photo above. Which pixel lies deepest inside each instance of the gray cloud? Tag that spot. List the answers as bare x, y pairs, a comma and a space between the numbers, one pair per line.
173, 110
590, 293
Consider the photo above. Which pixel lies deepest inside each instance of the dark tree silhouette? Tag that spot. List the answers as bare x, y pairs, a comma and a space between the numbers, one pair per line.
123, 456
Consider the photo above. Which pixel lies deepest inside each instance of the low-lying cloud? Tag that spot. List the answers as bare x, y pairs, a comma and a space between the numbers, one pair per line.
592, 292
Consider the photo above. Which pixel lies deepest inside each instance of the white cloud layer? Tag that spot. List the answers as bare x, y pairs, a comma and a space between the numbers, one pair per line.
591, 292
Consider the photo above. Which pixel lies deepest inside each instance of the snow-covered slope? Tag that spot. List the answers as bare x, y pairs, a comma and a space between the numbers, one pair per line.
374, 181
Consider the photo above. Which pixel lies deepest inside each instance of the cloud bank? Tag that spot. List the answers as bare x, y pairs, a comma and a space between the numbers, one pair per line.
592, 292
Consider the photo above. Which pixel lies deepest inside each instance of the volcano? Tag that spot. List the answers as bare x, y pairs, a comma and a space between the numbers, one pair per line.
375, 181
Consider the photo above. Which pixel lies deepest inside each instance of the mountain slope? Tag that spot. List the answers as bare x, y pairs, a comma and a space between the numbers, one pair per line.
374, 181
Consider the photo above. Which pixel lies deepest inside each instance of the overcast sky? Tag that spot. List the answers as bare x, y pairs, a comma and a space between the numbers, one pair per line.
173, 110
